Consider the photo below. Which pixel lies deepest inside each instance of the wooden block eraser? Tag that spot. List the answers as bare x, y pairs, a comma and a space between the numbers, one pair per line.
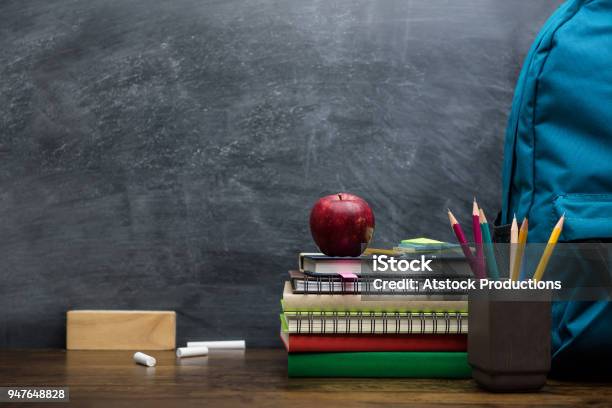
120, 330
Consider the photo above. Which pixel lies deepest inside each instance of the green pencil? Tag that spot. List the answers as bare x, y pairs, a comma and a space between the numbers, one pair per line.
488, 244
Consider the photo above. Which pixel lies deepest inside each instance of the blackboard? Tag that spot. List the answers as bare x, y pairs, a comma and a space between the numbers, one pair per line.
165, 154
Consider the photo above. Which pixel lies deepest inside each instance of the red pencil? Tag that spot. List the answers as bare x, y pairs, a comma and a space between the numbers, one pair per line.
480, 261
462, 241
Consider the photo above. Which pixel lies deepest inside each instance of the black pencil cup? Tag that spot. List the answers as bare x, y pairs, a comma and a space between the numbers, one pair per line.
509, 338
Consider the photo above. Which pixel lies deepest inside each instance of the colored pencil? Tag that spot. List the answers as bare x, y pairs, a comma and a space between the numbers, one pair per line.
488, 245
520, 249
550, 246
462, 241
513, 244
477, 233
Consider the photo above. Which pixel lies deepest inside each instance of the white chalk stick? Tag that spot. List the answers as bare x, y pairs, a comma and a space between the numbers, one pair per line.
191, 351
145, 360
226, 345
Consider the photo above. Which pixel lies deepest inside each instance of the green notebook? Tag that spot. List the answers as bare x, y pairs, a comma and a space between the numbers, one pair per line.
424, 245
424, 364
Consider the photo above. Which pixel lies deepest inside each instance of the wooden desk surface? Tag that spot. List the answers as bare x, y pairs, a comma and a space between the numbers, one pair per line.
257, 378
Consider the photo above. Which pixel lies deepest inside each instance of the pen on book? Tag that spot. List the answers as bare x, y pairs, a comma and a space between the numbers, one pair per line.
462, 241
550, 246
513, 244
477, 232
488, 245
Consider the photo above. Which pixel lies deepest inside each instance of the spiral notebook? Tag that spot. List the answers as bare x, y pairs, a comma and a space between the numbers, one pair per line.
316, 264
311, 283
374, 322
292, 301
338, 343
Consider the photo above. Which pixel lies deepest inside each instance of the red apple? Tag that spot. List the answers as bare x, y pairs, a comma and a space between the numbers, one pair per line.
342, 224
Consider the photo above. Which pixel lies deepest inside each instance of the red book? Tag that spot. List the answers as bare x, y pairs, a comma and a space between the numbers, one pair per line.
309, 343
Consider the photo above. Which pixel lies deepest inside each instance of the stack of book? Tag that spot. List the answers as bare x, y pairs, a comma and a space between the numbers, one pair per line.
333, 325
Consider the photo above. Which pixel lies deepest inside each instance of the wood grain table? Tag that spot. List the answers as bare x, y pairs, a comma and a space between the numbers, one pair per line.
256, 378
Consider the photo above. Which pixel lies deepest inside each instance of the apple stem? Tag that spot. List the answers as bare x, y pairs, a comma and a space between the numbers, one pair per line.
340, 196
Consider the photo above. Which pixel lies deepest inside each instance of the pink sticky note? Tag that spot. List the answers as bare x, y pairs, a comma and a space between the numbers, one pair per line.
347, 276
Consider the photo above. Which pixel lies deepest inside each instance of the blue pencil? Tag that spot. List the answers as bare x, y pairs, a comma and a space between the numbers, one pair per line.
488, 246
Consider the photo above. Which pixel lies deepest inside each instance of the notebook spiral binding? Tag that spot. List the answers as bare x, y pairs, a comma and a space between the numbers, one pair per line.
363, 285
371, 322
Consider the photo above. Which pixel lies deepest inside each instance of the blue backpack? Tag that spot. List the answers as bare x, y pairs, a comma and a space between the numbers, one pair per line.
558, 159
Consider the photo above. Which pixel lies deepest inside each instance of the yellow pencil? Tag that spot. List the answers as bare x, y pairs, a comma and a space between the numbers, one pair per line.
513, 244
520, 249
550, 246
